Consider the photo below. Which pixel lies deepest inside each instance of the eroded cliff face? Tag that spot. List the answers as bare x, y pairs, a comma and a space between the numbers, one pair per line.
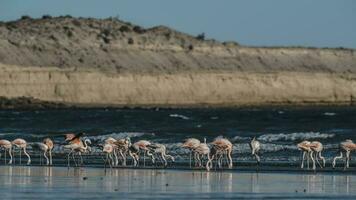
90, 62
90, 88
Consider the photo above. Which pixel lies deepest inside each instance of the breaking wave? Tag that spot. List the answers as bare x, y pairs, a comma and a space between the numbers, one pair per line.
329, 114
294, 136
179, 116
101, 138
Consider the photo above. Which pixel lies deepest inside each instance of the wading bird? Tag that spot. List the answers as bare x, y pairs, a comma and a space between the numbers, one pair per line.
6, 145
46, 147
161, 150
191, 144
223, 147
304, 146
109, 150
22, 144
255, 146
43, 148
317, 148
50, 145
76, 145
112, 142
345, 147
143, 145
203, 150
123, 148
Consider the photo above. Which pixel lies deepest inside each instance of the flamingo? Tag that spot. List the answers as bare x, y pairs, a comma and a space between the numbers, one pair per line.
50, 145
305, 147
109, 150
143, 145
76, 145
223, 147
345, 147
46, 147
134, 151
22, 144
191, 144
160, 149
255, 146
123, 148
112, 142
317, 148
202, 150
42, 147
6, 144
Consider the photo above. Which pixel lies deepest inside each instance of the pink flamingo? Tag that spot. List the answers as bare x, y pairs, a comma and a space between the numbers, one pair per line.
6, 144
22, 144
191, 144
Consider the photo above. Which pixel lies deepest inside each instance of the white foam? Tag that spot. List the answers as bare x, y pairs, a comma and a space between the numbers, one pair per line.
179, 116
239, 139
329, 113
119, 135
294, 136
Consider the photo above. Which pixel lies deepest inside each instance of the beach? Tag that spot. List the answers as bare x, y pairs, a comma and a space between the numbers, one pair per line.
25, 182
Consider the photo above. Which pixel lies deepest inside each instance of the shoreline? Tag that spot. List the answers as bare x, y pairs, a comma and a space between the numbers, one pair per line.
29, 103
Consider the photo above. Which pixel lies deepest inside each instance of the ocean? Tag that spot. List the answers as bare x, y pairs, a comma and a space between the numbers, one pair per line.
279, 129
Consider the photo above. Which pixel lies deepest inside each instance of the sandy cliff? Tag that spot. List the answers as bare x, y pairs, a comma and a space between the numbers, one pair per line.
92, 62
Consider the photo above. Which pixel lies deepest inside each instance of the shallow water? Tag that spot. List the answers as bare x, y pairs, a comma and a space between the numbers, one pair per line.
17, 182
278, 128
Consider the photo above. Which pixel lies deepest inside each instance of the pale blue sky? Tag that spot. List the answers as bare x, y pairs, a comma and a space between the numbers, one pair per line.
320, 23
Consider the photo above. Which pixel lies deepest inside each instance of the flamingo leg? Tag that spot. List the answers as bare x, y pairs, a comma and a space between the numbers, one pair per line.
75, 163
190, 159
28, 156
10, 154
230, 159
312, 158
258, 159
44, 154
40, 158
337, 157
164, 159
322, 158
303, 158
116, 158
68, 158
50, 157
317, 160
348, 159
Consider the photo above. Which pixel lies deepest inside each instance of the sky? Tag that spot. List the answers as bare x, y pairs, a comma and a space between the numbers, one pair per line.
312, 23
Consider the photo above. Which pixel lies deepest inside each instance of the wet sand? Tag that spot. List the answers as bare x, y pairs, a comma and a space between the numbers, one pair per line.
22, 182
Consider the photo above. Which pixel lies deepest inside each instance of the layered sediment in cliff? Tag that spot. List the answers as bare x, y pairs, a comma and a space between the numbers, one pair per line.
90, 62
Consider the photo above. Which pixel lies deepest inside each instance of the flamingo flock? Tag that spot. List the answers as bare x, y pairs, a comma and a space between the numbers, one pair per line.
204, 154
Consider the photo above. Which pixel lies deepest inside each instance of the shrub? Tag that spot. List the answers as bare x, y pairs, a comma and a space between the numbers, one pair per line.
24, 17
70, 33
201, 36
106, 31
124, 28
130, 41
46, 17
106, 40
76, 22
138, 29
